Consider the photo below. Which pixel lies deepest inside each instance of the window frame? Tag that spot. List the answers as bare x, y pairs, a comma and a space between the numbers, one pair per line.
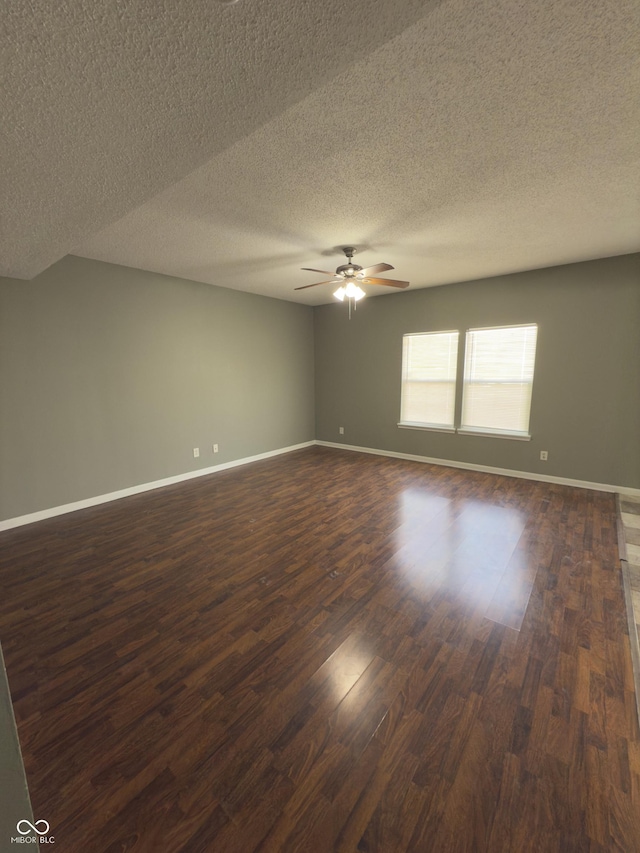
495, 432
460, 384
427, 425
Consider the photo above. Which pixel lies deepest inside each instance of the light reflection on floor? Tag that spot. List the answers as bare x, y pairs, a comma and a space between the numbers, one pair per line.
347, 664
473, 549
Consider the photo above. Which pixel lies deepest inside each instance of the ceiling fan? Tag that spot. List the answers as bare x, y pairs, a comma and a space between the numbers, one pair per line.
350, 276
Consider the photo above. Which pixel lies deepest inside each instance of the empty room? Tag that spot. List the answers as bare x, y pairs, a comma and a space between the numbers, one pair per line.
320, 426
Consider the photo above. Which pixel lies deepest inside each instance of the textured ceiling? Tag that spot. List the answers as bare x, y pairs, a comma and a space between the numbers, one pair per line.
236, 144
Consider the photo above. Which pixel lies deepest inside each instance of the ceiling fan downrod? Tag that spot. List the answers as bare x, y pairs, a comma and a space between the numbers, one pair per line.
348, 270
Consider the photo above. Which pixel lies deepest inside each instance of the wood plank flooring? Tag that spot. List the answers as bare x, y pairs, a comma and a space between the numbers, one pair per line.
327, 651
630, 516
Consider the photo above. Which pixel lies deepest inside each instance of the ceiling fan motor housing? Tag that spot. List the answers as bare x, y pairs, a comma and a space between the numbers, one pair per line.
348, 270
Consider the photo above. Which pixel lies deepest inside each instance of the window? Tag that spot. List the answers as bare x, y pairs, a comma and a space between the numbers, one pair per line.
429, 364
498, 378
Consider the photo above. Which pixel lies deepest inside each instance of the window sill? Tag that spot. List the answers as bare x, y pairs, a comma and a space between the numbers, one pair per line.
428, 427
487, 433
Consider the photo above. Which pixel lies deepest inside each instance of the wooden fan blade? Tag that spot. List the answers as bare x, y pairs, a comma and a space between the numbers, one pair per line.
322, 272
391, 282
305, 286
374, 269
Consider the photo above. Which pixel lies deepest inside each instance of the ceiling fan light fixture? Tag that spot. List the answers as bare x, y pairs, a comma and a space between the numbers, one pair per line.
354, 292
351, 291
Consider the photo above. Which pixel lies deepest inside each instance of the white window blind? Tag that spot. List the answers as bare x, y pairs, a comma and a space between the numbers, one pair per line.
498, 379
429, 366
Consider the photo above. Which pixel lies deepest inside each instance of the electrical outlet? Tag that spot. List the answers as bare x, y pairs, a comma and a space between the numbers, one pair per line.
544, 455
341, 430
215, 448
196, 452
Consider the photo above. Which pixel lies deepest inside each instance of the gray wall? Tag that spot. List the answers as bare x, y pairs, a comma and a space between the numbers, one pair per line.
14, 795
109, 377
586, 393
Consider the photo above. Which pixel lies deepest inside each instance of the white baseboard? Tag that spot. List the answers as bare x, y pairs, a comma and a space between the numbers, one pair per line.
487, 469
143, 487
21, 520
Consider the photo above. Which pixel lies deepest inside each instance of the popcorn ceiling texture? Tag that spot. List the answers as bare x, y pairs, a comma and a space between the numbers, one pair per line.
105, 104
235, 144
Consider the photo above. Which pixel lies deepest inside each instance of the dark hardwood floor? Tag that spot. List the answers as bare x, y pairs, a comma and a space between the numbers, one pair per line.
327, 651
